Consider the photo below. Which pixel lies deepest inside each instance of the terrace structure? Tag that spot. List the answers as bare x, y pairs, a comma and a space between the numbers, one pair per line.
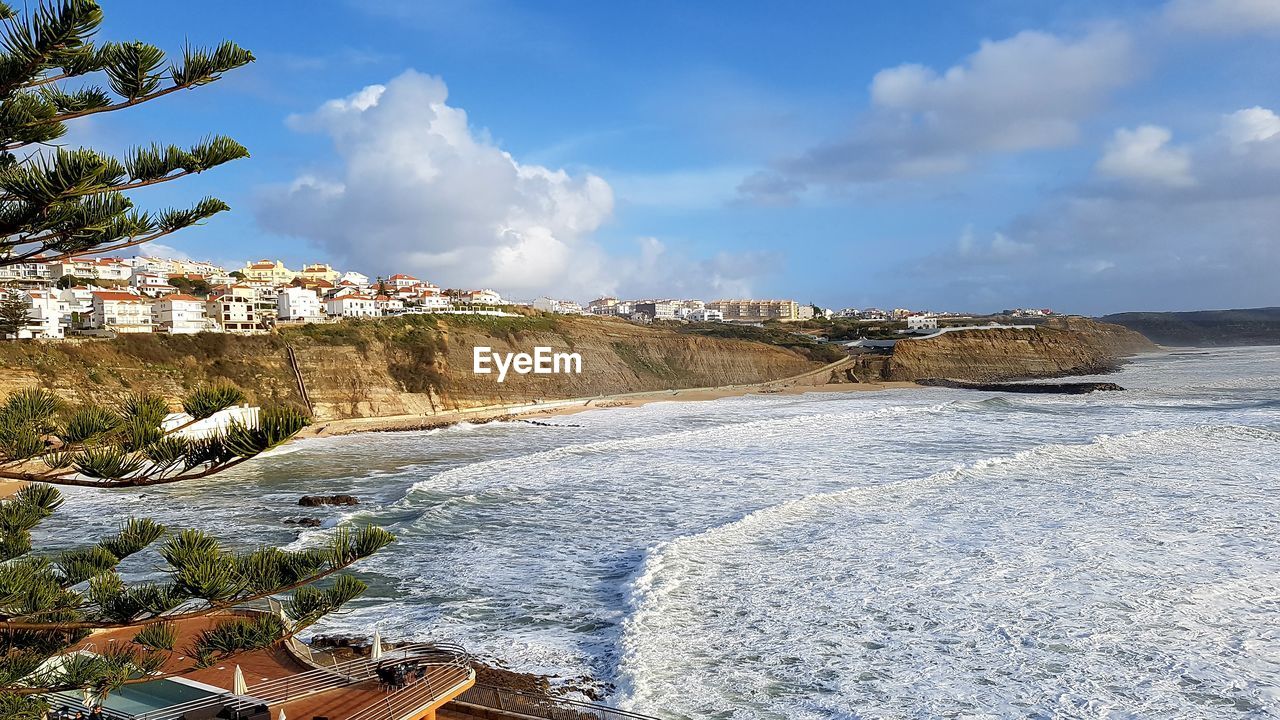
408, 683
420, 681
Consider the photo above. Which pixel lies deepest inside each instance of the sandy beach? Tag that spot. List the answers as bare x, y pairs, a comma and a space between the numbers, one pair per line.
533, 411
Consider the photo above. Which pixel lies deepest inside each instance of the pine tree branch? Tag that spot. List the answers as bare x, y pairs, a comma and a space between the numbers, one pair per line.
122, 187
63, 117
6, 624
26, 691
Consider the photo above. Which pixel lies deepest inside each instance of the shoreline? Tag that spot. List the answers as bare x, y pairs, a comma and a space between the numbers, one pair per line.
557, 408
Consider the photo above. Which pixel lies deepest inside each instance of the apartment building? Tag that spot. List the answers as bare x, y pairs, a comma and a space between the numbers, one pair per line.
756, 310
27, 275
180, 315
120, 312
319, 271
50, 316
296, 304
272, 273
234, 309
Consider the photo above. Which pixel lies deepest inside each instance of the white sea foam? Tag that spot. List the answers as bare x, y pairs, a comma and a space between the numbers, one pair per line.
926, 553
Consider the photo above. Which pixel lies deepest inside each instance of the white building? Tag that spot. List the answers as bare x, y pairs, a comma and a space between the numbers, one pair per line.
351, 306
151, 285
28, 274
921, 322
234, 313
399, 281
298, 305
79, 298
480, 297
354, 278
50, 317
705, 315
563, 307
180, 315
120, 312
431, 303
109, 269
388, 305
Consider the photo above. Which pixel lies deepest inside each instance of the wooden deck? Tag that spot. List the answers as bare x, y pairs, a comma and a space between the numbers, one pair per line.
345, 702
261, 666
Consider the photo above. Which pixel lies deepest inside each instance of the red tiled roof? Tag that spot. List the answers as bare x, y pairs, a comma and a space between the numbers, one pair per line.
117, 296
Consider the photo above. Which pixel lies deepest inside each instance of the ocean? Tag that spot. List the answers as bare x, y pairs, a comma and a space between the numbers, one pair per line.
897, 554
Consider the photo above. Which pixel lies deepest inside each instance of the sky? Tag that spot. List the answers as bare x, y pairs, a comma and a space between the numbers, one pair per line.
1089, 157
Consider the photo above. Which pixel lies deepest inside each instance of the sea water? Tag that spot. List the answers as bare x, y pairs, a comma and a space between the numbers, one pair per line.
899, 554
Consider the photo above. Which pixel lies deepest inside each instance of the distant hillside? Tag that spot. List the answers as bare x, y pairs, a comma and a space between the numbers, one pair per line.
1257, 326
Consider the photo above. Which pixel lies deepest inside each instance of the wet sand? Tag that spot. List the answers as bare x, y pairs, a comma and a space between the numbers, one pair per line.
569, 407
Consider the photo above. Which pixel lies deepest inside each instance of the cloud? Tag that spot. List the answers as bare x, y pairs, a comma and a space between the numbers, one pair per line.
417, 190
1224, 17
1030, 91
1245, 128
660, 272
1144, 155
1142, 236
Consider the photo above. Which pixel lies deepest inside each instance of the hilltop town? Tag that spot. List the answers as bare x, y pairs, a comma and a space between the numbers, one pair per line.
105, 297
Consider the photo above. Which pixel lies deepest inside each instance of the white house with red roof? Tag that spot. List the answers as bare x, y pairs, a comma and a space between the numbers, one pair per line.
120, 312
151, 285
351, 306
388, 305
398, 281
480, 297
49, 315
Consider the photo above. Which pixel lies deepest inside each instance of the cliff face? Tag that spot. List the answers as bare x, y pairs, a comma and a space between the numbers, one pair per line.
387, 377
416, 365
1062, 346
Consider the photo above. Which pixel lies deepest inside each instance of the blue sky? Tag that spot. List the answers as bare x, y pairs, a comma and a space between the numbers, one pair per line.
1087, 156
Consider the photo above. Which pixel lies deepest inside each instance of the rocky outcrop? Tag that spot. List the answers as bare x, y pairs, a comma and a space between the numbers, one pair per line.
1034, 388
1057, 348
318, 500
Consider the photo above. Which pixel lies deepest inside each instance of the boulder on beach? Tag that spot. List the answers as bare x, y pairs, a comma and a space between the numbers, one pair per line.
318, 500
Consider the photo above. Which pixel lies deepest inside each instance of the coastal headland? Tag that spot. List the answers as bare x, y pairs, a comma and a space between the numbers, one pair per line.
416, 372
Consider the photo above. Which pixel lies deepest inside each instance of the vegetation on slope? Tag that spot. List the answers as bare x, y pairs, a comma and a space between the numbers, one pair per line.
783, 336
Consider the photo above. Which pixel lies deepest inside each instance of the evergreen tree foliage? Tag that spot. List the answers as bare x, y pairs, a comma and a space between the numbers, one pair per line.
58, 203
15, 314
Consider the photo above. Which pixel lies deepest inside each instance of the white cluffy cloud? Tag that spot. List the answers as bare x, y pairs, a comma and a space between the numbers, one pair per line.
1144, 154
1153, 234
418, 189
1244, 128
1025, 92
1229, 17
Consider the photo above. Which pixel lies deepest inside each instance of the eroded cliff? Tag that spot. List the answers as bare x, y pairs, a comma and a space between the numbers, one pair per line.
402, 366
1056, 348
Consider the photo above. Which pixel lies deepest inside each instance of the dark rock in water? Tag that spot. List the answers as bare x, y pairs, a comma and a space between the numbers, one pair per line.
303, 521
1067, 388
318, 500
